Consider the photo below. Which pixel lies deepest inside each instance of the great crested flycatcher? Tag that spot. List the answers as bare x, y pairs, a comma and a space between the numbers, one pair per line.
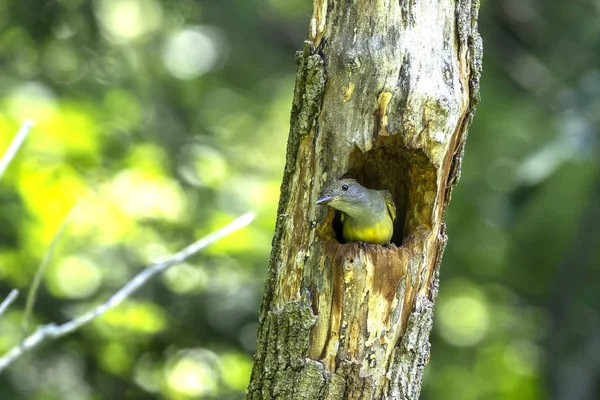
368, 215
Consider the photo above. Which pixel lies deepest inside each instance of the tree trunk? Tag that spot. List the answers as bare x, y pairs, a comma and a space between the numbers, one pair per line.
385, 93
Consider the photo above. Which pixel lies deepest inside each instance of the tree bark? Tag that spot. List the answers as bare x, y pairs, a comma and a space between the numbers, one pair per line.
385, 93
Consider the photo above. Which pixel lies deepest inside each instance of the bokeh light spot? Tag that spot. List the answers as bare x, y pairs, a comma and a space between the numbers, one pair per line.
134, 316
184, 278
193, 373
115, 357
75, 278
463, 315
195, 51
125, 20
62, 63
203, 165
143, 194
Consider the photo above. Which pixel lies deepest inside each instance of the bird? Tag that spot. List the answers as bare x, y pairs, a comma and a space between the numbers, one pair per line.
368, 215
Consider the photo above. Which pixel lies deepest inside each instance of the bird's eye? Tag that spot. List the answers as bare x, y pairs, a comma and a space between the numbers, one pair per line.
345, 188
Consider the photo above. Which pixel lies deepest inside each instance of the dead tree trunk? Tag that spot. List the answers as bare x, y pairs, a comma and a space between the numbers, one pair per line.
385, 93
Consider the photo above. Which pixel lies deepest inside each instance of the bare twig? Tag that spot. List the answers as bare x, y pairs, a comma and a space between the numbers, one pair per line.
39, 274
12, 296
55, 331
15, 145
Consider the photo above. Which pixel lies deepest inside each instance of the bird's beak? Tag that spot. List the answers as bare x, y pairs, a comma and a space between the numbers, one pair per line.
325, 199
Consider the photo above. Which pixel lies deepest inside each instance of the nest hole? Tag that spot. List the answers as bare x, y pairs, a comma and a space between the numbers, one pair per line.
406, 173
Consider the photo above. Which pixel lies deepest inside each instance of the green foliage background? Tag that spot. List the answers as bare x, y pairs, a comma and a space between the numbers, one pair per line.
158, 121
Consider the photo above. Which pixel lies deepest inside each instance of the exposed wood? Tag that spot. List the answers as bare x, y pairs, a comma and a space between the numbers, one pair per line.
385, 93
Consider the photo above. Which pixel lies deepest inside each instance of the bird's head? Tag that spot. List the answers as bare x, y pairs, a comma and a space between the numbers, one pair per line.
346, 195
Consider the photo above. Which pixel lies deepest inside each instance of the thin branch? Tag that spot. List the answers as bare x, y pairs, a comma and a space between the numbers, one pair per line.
39, 274
15, 145
12, 296
55, 331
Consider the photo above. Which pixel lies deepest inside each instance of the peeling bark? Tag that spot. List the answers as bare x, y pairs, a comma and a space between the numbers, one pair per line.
385, 93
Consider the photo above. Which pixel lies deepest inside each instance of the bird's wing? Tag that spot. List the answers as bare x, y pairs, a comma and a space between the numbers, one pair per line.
389, 202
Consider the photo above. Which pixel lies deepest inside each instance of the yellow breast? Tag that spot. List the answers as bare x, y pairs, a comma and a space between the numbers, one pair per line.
378, 233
